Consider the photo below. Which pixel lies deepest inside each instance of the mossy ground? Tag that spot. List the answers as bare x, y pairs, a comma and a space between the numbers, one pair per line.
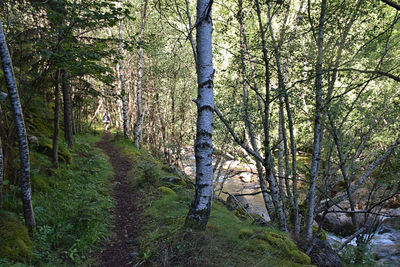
227, 241
71, 204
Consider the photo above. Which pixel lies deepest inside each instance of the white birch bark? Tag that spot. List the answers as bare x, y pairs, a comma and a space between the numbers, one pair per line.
200, 208
317, 124
21, 132
138, 128
122, 80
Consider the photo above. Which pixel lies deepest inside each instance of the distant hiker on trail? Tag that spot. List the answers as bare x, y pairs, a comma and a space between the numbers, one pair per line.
106, 121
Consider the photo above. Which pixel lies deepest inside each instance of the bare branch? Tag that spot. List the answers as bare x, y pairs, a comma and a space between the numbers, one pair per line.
392, 4
236, 138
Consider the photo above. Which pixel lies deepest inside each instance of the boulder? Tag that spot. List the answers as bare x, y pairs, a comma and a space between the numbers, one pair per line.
237, 202
322, 255
246, 177
338, 223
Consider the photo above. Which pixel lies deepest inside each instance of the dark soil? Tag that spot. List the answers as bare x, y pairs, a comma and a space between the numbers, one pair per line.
122, 250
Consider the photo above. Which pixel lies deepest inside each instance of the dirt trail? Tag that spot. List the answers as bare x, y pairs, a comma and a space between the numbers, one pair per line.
123, 249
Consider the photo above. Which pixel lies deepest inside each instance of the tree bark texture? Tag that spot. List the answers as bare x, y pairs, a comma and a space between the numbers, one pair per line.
200, 208
56, 119
138, 128
2, 99
68, 128
317, 123
21, 132
122, 80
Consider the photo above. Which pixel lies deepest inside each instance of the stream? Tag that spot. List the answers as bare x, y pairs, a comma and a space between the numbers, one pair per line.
239, 178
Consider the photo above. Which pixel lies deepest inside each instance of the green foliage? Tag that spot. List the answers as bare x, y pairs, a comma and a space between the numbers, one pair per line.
71, 205
73, 213
15, 243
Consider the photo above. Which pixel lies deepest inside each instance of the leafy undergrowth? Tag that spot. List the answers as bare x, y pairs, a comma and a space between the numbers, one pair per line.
227, 241
71, 204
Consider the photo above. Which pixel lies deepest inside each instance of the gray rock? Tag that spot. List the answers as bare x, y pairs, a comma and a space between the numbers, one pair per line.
323, 255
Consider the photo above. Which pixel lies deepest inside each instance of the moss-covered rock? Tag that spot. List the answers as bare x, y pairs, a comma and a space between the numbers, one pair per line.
284, 247
15, 244
174, 180
259, 245
245, 233
166, 190
45, 146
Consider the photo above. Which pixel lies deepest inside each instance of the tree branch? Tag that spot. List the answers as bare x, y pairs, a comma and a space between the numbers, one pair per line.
378, 72
392, 4
236, 138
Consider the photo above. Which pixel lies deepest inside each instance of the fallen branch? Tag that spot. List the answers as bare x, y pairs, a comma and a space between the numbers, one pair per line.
348, 240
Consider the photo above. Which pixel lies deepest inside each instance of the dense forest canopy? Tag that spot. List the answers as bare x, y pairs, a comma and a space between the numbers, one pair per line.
305, 92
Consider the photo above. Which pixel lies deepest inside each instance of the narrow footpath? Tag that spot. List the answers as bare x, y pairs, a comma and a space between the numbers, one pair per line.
122, 249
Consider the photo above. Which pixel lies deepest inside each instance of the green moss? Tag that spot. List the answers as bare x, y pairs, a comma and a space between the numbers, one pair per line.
166, 190
15, 244
38, 183
322, 235
245, 233
45, 146
285, 247
259, 245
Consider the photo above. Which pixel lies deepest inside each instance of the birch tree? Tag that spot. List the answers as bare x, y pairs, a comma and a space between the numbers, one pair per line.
200, 207
21, 132
315, 161
138, 128
122, 80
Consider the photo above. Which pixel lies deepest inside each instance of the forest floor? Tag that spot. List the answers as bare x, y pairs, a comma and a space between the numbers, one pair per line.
122, 249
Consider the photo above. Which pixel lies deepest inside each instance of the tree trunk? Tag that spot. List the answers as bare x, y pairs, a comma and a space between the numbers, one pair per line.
137, 135
68, 129
21, 132
56, 119
122, 80
200, 208
2, 99
268, 163
248, 120
317, 123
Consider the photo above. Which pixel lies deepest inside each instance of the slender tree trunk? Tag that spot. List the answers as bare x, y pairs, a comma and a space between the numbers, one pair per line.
21, 132
293, 151
2, 99
96, 112
248, 120
137, 135
56, 119
281, 151
122, 80
268, 164
200, 208
317, 123
68, 128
